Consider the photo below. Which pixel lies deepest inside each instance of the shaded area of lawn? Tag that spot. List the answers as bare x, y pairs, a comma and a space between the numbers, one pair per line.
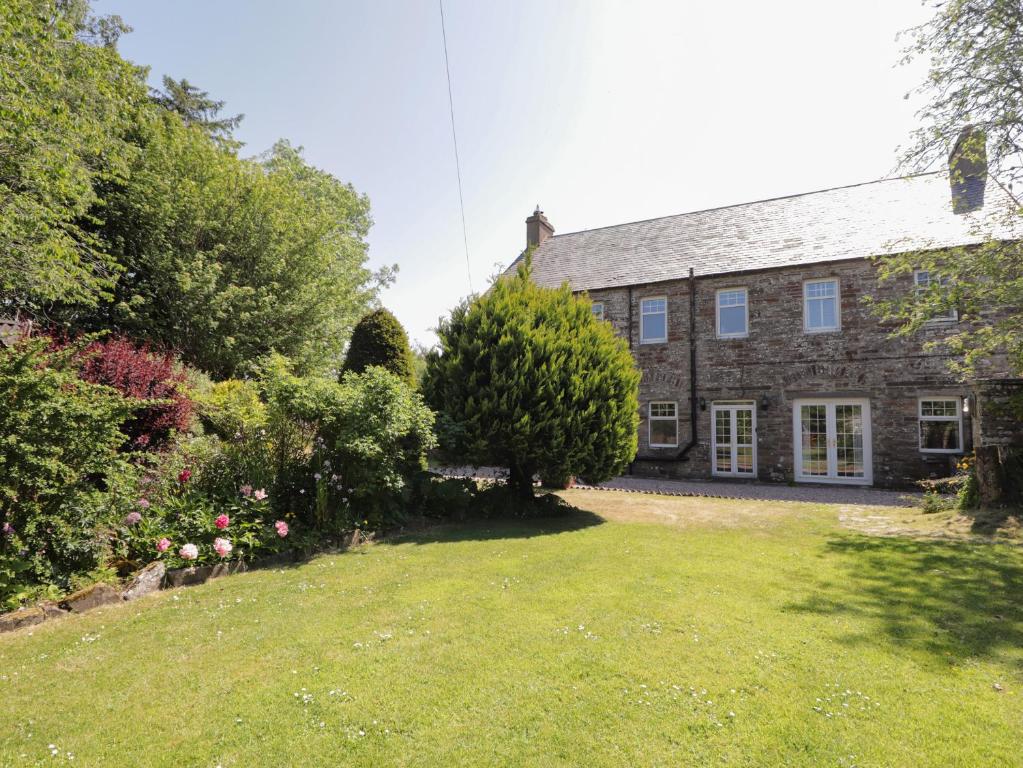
948, 598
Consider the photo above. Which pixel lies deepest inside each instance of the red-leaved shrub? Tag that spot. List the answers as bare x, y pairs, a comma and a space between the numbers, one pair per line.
143, 374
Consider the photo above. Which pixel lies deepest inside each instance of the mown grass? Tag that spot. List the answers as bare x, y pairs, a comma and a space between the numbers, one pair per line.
723, 633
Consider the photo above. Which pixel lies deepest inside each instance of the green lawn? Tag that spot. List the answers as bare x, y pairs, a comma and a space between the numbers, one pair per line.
661, 632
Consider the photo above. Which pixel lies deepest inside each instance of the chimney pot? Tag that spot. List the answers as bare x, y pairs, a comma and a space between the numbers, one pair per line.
538, 229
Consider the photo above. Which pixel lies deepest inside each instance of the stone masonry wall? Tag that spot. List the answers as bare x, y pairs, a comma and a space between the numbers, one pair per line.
780, 362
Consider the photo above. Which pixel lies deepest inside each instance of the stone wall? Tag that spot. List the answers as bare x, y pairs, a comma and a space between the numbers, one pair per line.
779, 362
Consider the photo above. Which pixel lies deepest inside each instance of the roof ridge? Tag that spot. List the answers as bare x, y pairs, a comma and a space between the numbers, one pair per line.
749, 202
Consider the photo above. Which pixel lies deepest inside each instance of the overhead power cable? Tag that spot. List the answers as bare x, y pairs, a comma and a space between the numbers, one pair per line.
454, 140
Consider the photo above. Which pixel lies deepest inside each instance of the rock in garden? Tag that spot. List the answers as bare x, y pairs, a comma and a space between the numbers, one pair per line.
91, 597
145, 581
25, 617
53, 611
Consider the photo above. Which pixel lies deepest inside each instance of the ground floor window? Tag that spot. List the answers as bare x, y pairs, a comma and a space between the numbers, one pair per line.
662, 423
941, 425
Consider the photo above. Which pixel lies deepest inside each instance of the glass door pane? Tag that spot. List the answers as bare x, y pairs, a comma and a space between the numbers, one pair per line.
744, 441
813, 421
723, 440
849, 440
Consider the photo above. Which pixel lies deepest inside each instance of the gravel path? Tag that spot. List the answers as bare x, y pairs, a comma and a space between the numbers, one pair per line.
815, 494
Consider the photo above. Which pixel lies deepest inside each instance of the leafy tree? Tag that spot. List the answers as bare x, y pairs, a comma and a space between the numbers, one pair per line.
196, 107
975, 52
66, 106
226, 259
526, 378
379, 339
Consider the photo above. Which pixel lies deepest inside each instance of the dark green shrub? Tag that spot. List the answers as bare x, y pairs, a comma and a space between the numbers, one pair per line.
447, 498
58, 457
526, 378
379, 339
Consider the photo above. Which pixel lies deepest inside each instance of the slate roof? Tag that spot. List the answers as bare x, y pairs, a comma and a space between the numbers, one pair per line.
875, 218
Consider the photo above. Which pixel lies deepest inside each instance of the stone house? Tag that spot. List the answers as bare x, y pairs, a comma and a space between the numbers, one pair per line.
759, 357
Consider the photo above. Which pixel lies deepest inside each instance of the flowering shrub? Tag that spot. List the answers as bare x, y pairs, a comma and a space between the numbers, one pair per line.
183, 526
141, 374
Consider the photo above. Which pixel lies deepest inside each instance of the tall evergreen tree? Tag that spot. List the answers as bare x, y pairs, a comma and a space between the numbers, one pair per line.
527, 378
196, 107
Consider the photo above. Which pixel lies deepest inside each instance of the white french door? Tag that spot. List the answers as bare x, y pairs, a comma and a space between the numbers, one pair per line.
733, 444
832, 440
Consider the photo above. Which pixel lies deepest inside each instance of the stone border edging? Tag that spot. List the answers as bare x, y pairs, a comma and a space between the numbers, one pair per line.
155, 577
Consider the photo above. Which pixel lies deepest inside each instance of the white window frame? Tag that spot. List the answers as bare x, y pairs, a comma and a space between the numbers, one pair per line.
745, 307
650, 419
838, 305
643, 339
952, 315
598, 310
958, 418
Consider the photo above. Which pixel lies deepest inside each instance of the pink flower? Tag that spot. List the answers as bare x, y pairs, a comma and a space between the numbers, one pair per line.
282, 528
144, 503
222, 547
163, 544
185, 476
189, 552
245, 490
222, 521
133, 518
259, 495
8, 529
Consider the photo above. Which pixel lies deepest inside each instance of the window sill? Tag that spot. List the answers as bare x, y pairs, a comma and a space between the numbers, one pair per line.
652, 341
941, 451
820, 331
733, 337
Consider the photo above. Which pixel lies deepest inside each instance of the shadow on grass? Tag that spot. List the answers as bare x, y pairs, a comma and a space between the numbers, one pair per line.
952, 599
992, 521
502, 527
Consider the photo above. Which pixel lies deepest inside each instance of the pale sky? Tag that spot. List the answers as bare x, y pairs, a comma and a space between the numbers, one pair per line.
601, 112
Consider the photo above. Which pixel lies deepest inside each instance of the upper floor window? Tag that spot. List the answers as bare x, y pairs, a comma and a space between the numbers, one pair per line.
662, 425
820, 306
732, 313
941, 425
922, 281
598, 310
653, 320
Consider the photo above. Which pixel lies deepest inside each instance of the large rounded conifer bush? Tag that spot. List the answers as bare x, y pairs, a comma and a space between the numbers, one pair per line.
379, 339
528, 379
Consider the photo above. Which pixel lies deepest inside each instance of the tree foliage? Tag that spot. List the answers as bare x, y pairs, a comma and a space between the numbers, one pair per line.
526, 378
120, 212
379, 339
66, 107
975, 53
196, 107
226, 260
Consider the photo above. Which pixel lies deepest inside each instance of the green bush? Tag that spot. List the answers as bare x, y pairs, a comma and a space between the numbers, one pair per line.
527, 378
58, 454
379, 339
447, 498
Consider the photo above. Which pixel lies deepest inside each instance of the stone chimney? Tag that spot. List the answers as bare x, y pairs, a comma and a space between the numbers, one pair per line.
538, 228
967, 170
